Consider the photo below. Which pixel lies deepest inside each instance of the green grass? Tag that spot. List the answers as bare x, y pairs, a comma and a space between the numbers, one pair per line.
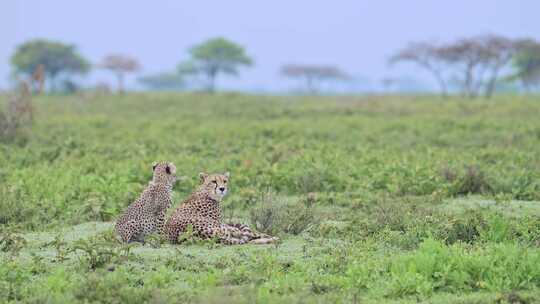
376, 199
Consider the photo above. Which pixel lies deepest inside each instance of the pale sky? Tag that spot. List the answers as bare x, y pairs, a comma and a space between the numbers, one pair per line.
358, 36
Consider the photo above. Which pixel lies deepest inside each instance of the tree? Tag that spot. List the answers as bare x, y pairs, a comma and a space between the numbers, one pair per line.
120, 65
54, 58
213, 57
163, 81
526, 63
475, 63
428, 57
313, 74
479, 60
501, 52
466, 56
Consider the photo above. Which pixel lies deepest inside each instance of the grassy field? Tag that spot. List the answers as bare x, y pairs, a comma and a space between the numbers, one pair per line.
375, 199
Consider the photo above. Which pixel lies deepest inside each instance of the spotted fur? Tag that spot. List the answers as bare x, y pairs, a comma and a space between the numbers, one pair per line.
202, 212
147, 213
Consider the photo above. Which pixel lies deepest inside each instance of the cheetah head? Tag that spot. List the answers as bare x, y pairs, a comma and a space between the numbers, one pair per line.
164, 173
215, 184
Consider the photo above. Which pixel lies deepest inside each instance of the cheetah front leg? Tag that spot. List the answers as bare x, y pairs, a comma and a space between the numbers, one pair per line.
160, 222
129, 232
160, 214
232, 235
225, 234
254, 237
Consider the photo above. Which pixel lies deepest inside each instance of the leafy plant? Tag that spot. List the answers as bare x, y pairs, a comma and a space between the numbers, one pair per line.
273, 216
11, 242
101, 250
17, 115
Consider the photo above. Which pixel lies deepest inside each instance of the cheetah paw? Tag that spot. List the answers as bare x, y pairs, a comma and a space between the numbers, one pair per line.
268, 240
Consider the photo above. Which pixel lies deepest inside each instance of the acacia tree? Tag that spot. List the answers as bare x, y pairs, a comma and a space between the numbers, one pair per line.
427, 56
313, 75
213, 57
120, 65
501, 52
479, 60
526, 64
466, 56
48, 58
475, 63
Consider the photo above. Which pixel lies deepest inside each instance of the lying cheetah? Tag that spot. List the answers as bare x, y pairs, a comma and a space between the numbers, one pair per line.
202, 212
147, 213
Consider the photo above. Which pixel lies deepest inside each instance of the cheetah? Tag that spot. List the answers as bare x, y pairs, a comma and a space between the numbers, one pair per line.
147, 213
202, 212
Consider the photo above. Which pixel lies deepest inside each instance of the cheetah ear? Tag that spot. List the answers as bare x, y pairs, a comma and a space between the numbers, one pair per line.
203, 176
227, 174
171, 167
154, 165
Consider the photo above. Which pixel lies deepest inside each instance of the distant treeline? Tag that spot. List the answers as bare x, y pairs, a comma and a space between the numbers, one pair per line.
475, 66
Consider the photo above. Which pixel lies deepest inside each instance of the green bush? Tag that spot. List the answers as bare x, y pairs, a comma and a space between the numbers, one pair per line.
273, 216
435, 267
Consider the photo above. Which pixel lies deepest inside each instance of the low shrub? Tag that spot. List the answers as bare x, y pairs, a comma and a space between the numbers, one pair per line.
273, 215
471, 180
17, 115
436, 267
406, 223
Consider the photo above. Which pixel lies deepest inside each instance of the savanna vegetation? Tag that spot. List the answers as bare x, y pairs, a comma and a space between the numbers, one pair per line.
375, 199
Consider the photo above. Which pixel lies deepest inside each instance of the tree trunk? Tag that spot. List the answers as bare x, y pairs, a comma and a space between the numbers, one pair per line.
120, 78
211, 83
469, 81
442, 84
52, 85
310, 84
526, 86
490, 88
438, 77
212, 74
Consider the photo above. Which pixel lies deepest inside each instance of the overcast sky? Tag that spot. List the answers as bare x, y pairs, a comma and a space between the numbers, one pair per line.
358, 36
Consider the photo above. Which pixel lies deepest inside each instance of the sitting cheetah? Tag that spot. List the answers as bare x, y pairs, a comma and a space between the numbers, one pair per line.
147, 213
202, 212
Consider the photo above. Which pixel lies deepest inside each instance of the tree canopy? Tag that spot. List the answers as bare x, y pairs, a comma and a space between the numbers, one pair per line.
473, 63
55, 58
526, 64
120, 65
213, 57
313, 74
426, 56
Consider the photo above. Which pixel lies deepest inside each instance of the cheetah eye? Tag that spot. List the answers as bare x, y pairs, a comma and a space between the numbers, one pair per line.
214, 181
224, 181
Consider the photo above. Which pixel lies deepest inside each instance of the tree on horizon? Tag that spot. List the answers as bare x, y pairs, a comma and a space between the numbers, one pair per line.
52, 58
214, 57
120, 65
